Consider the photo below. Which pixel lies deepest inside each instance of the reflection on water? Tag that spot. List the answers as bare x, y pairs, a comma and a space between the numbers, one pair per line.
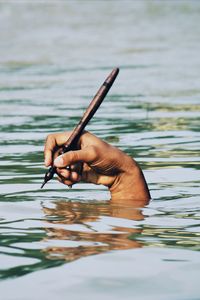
70, 230
52, 60
90, 239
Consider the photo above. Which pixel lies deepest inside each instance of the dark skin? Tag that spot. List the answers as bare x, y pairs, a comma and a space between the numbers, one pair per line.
98, 162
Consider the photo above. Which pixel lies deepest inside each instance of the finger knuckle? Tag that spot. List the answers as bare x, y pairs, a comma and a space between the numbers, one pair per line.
73, 156
49, 137
94, 150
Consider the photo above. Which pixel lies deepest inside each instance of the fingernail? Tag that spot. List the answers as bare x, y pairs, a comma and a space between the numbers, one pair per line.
58, 162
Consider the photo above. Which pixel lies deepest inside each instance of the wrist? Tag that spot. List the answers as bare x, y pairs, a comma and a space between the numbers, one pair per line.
130, 184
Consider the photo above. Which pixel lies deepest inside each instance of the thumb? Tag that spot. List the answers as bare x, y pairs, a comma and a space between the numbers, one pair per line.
86, 155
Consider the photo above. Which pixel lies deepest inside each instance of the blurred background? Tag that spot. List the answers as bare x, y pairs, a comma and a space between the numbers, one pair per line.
53, 57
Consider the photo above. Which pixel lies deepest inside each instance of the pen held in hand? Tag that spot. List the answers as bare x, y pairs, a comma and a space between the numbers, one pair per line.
90, 111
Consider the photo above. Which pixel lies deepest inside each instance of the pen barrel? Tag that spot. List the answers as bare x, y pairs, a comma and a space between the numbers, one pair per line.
92, 108
71, 143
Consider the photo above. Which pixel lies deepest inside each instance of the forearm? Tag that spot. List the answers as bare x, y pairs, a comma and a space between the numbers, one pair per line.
131, 185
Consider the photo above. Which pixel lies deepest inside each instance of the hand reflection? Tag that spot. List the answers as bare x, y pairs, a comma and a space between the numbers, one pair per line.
90, 240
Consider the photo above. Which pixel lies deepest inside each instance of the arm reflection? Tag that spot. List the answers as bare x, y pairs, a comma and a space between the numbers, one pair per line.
89, 241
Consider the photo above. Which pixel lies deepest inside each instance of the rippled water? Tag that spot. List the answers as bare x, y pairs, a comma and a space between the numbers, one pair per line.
53, 57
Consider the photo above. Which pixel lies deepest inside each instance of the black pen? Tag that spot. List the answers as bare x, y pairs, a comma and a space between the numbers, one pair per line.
92, 108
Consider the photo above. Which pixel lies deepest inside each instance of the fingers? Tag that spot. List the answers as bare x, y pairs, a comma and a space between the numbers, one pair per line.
63, 173
50, 145
86, 155
67, 177
74, 159
53, 141
71, 175
47, 158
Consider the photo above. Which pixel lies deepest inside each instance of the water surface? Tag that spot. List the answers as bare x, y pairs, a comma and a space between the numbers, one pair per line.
61, 242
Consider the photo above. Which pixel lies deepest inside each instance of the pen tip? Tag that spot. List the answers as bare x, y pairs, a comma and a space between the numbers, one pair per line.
43, 184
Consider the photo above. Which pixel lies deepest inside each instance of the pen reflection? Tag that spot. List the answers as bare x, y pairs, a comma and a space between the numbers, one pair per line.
89, 237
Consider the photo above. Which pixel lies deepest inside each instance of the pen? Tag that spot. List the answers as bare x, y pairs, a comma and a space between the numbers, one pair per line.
90, 111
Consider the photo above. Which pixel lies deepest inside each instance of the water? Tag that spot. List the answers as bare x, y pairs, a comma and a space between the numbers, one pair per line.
58, 242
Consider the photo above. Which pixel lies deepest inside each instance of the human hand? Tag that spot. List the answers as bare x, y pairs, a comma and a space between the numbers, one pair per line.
96, 162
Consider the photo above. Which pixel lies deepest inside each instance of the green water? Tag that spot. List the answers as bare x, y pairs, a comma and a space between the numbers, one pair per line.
57, 243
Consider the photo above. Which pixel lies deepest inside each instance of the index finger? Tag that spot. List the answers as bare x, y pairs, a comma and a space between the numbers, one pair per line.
53, 141
50, 145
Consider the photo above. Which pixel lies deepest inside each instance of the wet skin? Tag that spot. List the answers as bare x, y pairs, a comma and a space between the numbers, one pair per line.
98, 162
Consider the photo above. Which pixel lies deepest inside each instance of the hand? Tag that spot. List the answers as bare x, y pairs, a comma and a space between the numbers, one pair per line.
97, 162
